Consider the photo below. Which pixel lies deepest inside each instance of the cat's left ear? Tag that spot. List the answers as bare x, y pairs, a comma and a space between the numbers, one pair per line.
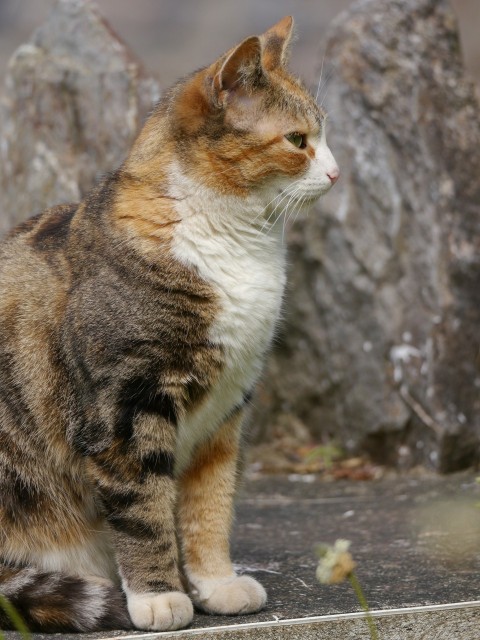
275, 44
241, 68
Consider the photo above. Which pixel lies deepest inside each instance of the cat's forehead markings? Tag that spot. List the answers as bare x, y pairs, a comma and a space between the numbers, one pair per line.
313, 118
315, 111
304, 106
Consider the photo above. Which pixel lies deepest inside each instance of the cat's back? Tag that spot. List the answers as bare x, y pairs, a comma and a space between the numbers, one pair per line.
43, 235
33, 260
34, 284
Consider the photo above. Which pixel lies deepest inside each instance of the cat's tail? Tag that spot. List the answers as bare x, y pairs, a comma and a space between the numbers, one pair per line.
55, 602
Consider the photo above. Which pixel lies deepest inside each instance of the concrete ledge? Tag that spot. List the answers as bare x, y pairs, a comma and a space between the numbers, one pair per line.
420, 576
456, 621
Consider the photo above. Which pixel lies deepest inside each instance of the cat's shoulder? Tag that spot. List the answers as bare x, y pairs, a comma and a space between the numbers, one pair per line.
35, 250
50, 227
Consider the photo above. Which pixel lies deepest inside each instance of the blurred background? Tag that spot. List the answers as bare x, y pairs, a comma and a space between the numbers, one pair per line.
173, 37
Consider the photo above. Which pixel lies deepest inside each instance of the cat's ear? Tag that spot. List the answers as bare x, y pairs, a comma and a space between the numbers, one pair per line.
241, 68
275, 43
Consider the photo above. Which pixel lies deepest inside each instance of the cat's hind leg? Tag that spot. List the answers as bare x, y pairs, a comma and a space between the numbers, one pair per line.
53, 602
206, 491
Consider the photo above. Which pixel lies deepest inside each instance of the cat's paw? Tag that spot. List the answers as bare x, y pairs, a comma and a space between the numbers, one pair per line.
160, 611
229, 596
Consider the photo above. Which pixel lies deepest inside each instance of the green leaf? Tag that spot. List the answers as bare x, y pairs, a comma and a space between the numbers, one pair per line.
15, 617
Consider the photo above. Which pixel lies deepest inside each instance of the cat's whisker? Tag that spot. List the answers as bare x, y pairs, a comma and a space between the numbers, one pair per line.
320, 79
295, 202
287, 193
299, 208
271, 202
326, 86
282, 193
302, 202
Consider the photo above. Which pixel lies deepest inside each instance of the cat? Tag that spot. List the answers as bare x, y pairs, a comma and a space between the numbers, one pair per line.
133, 328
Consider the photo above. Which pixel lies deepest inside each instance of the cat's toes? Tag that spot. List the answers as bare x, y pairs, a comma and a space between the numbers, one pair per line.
160, 611
229, 596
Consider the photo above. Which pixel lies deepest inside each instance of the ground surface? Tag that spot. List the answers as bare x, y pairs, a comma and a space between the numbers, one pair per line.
416, 542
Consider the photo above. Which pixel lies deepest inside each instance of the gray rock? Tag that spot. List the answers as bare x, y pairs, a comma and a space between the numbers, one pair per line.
73, 102
381, 345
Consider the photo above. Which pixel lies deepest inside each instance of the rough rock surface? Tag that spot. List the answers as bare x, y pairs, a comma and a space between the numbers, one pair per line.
380, 348
74, 99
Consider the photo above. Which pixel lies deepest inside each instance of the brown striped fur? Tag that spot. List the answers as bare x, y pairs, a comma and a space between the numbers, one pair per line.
110, 350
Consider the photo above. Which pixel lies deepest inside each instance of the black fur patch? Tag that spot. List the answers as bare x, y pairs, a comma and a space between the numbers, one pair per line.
131, 526
247, 397
87, 440
142, 394
18, 498
159, 463
159, 586
116, 499
53, 227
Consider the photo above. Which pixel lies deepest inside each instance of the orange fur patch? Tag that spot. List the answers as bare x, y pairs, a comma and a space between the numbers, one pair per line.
206, 492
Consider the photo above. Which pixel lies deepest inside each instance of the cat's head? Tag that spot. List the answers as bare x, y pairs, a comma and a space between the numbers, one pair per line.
245, 125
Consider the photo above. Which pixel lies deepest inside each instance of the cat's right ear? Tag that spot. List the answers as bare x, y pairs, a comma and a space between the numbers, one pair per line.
239, 71
276, 43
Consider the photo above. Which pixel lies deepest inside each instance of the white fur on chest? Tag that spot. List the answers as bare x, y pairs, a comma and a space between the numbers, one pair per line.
247, 269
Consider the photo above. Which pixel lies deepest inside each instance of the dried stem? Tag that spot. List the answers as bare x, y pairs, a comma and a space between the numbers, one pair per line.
364, 604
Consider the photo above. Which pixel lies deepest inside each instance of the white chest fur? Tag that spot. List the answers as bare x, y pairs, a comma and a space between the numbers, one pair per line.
247, 269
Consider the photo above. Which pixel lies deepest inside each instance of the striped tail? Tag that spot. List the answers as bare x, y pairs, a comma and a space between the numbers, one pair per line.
56, 602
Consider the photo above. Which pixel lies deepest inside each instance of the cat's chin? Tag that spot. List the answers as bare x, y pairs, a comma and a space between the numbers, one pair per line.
313, 197
307, 201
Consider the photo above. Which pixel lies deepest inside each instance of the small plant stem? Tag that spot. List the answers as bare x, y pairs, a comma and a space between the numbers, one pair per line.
15, 617
364, 604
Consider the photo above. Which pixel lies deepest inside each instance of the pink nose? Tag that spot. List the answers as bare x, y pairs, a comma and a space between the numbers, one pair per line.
333, 174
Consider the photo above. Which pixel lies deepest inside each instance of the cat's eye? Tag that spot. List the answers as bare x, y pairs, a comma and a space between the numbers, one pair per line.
297, 139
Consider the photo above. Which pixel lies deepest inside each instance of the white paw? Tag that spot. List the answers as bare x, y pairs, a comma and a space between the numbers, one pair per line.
228, 596
160, 611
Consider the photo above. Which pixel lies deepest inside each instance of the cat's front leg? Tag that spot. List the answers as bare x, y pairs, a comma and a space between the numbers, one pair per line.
135, 484
206, 491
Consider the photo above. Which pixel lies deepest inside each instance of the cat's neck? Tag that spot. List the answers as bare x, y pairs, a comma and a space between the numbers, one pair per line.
239, 218
225, 236
199, 223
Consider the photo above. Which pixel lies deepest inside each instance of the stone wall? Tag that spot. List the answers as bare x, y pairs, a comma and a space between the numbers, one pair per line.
73, 101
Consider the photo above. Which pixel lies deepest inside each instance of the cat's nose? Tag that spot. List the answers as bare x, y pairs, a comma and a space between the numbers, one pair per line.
333, 174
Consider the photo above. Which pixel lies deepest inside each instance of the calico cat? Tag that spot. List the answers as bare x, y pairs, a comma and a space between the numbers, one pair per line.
133, 328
